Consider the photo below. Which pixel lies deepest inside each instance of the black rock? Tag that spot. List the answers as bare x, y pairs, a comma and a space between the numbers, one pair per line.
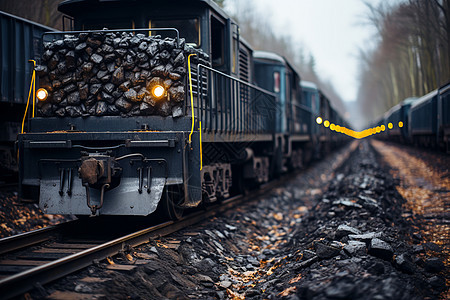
380, 249
109, 87
80, 47
145, 108
433, 247
95, 88
342, 288
324, 251
101, 108
118, 76
165, 109
95, 58
177, 93
74, 111
344, 230
70, 88
73, 99
87, 67
434, 265
131, 95
356, 248
403, 263
123, 105
366, 237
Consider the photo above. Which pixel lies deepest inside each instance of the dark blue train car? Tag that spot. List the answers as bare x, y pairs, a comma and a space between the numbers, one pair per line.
444, 117
293, 120
397, 121
21, 42
423, 121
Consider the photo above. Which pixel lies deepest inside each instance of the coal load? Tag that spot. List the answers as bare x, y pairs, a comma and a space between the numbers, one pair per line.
106, 73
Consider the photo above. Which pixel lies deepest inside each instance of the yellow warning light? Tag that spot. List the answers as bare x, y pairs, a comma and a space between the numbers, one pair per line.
400, 124
390, 126
41, 94
158, 91
332, 126
326, 123
319, 120
383, 128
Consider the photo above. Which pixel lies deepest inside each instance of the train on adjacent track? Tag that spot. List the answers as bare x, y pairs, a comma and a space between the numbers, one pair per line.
22, 41
134, 118
423, 121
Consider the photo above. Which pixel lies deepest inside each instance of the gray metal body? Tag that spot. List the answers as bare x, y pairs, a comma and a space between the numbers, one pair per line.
49, 157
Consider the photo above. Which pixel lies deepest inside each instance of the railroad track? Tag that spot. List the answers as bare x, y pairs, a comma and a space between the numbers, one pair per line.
44, 255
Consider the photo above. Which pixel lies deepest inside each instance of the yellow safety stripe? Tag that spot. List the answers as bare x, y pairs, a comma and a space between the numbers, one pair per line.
32, 88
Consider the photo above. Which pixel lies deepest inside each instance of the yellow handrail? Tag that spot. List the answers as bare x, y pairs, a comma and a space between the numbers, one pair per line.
32, 87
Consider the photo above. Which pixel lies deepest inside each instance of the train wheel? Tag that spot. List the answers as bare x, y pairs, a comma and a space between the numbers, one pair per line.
173, 197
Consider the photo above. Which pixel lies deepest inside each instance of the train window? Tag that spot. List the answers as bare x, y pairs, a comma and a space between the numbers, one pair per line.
276, 82
188, 28
217, 42
235, 56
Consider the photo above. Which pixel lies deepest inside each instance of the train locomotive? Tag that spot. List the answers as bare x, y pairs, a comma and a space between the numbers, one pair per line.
149, 105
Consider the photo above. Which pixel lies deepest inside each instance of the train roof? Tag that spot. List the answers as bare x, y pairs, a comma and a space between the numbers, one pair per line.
424, 98
265, 55
274, 57
71, 7
409, 100
309, 85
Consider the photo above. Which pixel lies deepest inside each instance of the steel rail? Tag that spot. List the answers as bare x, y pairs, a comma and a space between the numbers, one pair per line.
26, 239
24, 281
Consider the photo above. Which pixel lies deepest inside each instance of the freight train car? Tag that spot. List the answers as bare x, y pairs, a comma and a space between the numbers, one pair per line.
22, 41
132, 120
158, 111
423, 121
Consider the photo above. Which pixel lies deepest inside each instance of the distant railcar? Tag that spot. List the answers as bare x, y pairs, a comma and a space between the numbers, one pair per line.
423, 121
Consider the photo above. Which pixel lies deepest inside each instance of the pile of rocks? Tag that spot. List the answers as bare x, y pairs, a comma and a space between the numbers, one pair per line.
107, 73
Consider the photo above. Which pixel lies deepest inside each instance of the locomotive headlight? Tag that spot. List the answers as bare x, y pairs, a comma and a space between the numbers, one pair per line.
41, 94
158, 91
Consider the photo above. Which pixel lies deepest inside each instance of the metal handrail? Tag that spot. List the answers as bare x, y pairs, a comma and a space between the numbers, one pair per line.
232, 78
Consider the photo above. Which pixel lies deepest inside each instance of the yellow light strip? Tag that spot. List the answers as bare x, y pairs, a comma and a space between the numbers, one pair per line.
201, 151
32, 87
359, 134
192, 97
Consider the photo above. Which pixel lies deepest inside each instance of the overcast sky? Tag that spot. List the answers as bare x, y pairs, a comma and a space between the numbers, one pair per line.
333, 31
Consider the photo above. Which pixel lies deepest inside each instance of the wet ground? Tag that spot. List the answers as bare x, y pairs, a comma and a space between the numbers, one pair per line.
350, 231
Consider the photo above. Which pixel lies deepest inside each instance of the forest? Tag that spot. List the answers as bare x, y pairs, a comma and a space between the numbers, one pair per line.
412, 56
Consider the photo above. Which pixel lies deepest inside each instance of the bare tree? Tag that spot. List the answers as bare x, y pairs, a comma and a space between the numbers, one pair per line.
412, 55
